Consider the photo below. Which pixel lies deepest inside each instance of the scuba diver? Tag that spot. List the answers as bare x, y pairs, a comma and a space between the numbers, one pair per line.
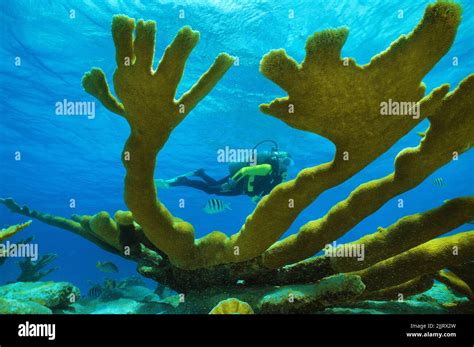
256, 181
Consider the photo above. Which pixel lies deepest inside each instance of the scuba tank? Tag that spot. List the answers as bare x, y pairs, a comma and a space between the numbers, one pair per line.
262, 157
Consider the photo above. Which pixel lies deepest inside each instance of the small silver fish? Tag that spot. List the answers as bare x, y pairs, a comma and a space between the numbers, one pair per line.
214, 206
107, 266
439, 182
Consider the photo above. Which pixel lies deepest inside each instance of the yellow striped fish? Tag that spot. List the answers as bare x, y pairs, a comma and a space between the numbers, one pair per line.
214, 206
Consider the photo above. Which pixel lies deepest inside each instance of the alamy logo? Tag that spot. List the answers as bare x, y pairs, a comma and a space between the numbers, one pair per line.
75, 108
239, 155
21, 250
37, 330
355, 250
400, 108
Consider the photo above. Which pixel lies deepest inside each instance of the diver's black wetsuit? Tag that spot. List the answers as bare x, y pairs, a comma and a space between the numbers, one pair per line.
254, 179
208, 184
262, 185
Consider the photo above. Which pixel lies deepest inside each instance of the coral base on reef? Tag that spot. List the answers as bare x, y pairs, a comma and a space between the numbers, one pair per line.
137, 299
37, 297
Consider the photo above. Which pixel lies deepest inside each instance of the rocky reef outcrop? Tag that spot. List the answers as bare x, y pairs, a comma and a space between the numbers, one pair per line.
36, 297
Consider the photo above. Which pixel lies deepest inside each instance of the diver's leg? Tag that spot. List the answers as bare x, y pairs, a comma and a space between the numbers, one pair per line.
223, 180
208, 179
210, 185
209, 189
163, 183
200, 185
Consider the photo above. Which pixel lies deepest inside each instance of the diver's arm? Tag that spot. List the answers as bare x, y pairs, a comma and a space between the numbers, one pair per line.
255, 170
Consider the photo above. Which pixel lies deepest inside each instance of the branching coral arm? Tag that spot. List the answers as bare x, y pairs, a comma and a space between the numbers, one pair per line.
450, 132
13, 230
408, 232
207, 81
426, 258
340, 100
79, 225
152, 112
94, 83
439, 23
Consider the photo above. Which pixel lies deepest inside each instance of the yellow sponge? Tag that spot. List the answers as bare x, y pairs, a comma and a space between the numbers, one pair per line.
232, 306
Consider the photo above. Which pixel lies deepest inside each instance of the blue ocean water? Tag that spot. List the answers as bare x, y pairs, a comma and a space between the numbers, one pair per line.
77, 158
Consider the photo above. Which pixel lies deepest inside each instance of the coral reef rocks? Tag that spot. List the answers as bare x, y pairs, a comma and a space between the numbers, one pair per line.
49, 294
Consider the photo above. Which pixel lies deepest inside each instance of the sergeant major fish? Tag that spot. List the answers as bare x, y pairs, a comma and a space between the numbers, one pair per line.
214, 206
439, 182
